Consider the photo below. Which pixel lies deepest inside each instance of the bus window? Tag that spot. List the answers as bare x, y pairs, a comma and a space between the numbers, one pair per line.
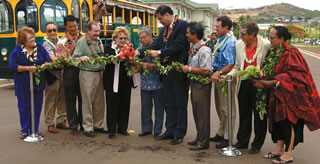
27, 14
75, 11
85, 15
53, 11
6, 18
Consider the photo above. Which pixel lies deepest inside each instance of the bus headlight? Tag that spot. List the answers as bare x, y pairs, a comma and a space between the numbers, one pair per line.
4, 51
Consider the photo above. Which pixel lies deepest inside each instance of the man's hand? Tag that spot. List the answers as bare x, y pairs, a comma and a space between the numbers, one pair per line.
135, 69
185, 68
137, 53
154, 53
84, 58
215, 76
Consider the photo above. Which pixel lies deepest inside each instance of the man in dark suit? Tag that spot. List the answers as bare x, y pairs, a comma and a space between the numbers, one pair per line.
172, 45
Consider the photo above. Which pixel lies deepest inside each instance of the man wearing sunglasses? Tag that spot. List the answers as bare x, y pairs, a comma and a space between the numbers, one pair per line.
54, 92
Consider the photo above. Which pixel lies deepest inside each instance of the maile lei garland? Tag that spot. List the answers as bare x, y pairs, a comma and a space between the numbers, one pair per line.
268, 69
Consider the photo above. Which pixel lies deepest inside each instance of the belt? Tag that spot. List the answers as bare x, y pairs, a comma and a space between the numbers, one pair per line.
91, 70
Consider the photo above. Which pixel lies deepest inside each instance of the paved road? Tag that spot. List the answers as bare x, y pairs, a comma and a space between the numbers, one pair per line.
65, 148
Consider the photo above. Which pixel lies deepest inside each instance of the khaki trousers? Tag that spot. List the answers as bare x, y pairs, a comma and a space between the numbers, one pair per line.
221, 100
92, 93
55, 101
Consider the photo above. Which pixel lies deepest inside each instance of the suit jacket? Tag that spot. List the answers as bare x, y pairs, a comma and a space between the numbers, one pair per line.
108, 74
239, 65
177, 46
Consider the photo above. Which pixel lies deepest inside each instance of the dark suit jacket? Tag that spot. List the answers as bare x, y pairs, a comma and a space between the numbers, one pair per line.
108, 74
177, 45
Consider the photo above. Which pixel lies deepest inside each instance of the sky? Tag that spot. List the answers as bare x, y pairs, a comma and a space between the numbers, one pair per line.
235, 4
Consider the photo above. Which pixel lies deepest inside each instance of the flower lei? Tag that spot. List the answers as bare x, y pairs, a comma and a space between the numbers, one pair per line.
268, 69
165, 36
257, 51
31, 57
219, 45
196, 50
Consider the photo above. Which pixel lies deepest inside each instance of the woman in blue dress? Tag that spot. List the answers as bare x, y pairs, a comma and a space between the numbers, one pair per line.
23, 59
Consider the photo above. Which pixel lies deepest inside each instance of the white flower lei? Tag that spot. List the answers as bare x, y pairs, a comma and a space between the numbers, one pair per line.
257, 51
217, 46
33, 58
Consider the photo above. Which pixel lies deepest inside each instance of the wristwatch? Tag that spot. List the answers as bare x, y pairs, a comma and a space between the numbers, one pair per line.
189, 69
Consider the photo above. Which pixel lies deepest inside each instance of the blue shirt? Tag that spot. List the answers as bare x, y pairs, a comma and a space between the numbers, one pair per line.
226, 54
152, 81
21, 79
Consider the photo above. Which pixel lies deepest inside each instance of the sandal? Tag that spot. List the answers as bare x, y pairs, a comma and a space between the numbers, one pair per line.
281, 161
270, 155
23, 135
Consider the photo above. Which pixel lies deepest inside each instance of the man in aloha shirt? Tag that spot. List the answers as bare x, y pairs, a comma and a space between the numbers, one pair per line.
223, 61
199, 63
65, 47
54, 92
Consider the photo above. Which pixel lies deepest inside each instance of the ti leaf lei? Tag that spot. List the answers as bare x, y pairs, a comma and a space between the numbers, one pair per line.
268, 68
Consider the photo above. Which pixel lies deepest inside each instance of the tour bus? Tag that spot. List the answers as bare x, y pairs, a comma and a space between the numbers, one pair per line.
15, 14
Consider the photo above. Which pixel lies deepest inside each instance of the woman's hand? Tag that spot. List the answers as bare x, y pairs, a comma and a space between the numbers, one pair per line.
185, 68
264, 83
258, 83
135, 69
32, 68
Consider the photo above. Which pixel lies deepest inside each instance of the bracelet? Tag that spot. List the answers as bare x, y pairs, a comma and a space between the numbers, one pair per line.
189, 69
277, 85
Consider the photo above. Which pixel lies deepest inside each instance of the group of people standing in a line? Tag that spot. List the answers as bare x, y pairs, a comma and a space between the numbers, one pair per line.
292, 98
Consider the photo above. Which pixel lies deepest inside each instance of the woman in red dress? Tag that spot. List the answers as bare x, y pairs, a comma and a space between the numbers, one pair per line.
293, 99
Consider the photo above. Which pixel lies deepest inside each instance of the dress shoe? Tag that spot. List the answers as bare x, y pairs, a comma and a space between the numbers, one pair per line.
141, 134
164, 137
89, 134
216, 138
199, 147
222, 144
75, 132
52, 129
194, 142
254, 150
239, 146
176, 141
100, 130
112, 136
62, 125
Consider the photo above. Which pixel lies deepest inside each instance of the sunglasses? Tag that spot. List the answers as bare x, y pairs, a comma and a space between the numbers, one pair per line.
52, 30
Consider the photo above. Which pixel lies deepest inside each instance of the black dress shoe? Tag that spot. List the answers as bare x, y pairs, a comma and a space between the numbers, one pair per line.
194, 142
199, 147
100, 130
89, 134
112, 136
163, 137
176, 141
254, 150
239, 146
141, 134
216, 138
125, 133
222, 144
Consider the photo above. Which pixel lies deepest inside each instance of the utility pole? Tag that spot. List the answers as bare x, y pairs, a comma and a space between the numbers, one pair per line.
318, 29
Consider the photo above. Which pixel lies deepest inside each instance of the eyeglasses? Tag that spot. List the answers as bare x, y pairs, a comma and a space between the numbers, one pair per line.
52, 30
122, 38
271, 38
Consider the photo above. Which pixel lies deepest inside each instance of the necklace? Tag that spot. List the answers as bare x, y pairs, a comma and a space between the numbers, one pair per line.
90, 46
33, 57
217, 46
256, 54
165, 36
196, 50
50, 42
